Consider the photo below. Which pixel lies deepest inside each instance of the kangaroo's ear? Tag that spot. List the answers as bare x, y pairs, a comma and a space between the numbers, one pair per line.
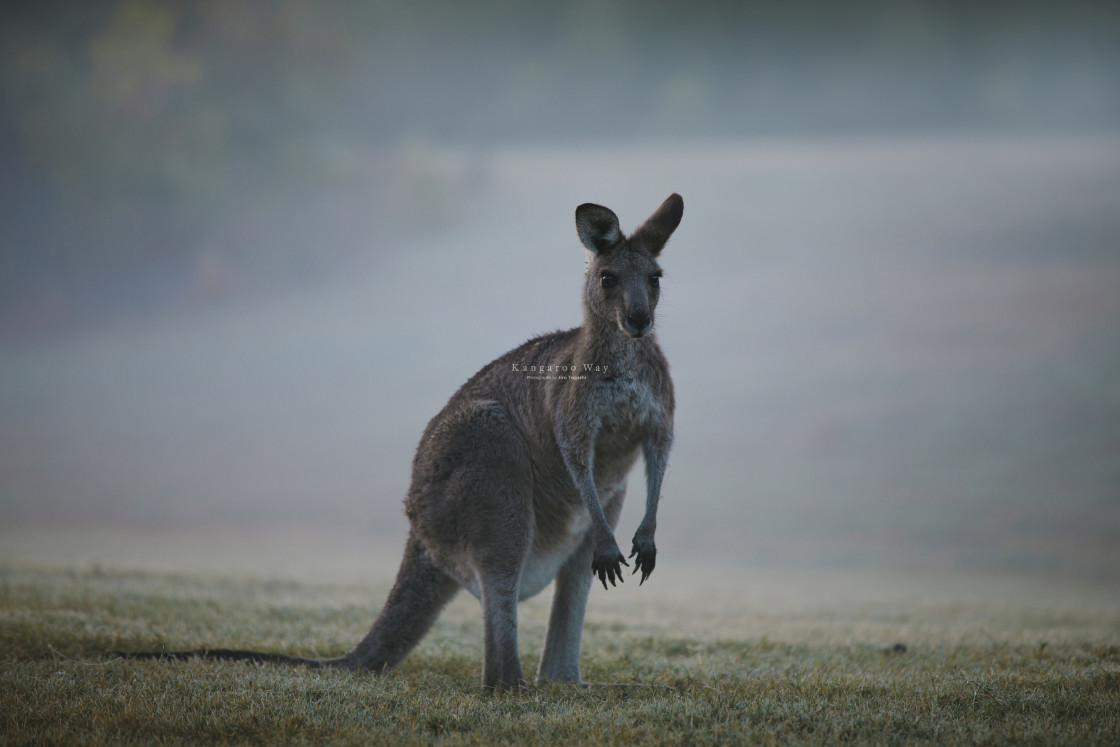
597, 227
657, 229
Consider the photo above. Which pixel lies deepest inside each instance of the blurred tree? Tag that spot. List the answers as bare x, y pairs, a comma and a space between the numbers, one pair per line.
132, 62
140, 135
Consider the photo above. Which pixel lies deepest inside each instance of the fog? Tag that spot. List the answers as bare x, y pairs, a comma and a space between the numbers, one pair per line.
250, 249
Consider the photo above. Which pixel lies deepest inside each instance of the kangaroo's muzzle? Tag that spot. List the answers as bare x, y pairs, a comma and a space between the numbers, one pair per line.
638, 323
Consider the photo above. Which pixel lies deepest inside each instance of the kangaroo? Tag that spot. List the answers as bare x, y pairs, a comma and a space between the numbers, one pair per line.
520, 478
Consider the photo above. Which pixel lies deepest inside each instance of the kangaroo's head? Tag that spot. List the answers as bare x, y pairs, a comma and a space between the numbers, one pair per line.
623, 277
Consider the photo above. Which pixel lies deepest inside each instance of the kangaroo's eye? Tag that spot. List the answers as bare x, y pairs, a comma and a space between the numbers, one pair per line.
655, 280
608, 280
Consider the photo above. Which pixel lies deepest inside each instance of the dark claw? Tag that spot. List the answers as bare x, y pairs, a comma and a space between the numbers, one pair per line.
609, 569
646, 558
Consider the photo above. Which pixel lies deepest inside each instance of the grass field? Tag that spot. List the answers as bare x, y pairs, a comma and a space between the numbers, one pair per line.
722, 656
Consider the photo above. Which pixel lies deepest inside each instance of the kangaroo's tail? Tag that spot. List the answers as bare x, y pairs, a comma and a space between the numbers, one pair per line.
230, 654
420, 593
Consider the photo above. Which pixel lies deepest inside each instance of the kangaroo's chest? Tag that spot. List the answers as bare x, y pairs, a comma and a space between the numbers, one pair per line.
627, 408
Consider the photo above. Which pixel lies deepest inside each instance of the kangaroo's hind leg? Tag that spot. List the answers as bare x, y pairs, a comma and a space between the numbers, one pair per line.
497, 521
498, 555
560, 660
501, 657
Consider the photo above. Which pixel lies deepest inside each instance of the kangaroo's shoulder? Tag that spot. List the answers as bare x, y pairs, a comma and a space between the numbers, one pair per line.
543, 350
502, 383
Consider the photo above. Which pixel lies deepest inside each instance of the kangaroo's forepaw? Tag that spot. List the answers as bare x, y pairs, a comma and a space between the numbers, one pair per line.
646, 553
609, 566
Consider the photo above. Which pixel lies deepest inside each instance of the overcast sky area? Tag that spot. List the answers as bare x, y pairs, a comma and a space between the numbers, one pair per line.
250, 248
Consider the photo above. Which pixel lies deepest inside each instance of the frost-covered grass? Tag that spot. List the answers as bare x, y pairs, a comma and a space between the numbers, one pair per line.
771, 658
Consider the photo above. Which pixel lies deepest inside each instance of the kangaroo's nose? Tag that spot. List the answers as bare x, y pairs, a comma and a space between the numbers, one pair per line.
638, 318
638, 322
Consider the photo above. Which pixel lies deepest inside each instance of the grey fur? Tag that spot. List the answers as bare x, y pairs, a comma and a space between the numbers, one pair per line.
520, 478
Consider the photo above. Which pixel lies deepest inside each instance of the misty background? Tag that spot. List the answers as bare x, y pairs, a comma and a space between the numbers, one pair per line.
250, 248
